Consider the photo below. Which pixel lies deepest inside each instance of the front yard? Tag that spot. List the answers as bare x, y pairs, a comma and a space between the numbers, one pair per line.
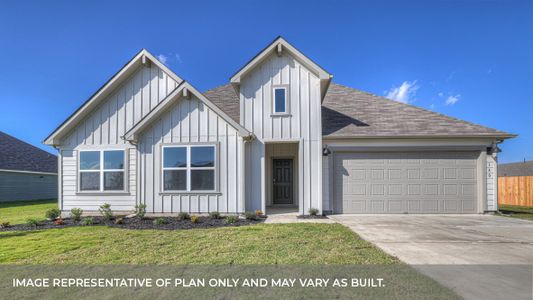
256, 244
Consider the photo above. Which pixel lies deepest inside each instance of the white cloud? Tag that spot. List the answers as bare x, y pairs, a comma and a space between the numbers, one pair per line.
404, 93
441, 94
162, 58
178, 58
451, 100
432, 106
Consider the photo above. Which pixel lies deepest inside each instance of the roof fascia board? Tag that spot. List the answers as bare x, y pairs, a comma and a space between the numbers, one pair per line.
132, 134
105, 90
480, 136
271, 49
27, 172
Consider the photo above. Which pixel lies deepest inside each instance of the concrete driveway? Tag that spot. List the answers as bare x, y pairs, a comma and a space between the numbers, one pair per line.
486, 257
447, 239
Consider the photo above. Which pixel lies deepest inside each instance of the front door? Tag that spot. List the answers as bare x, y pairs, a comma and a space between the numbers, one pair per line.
282, 181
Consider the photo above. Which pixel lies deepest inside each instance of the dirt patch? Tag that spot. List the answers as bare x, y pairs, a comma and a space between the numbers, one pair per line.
164, 223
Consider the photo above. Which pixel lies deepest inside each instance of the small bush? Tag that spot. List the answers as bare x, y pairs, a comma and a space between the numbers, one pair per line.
58, 221
4, 224
105, 211
140, 210
250, 216
87, 221
32, 222
232, 219
53, 213
259, 213
160, 221
184, 216
313, 211
119, 221
214, 215
75, 214
195, 219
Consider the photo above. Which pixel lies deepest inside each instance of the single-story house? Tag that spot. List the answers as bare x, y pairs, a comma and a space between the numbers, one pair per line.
280, 133
26, 172
524, 168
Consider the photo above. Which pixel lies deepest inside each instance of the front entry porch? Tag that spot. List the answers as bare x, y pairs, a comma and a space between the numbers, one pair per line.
281, 160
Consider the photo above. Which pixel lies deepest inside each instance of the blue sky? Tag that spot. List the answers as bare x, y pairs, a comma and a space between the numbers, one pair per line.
468, 59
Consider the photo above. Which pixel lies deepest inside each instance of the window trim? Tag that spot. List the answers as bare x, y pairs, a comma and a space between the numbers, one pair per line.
188, 168
102, 171
287, 100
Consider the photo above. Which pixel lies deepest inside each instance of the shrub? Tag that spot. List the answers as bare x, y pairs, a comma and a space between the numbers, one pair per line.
250, 216
259, 213
53, 213
87, 221
184, 216
4, 224
232, 219
58, 221
214, 215
160, 221
140, 210
195, 219
105, 210
313, 211
119, 221
76, 213
32, 222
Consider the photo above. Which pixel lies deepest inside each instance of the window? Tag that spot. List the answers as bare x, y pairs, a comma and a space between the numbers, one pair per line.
280, 100
189, 168
101, 170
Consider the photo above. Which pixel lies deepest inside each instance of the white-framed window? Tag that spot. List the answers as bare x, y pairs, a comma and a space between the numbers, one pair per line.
189, 168
102, 171
280, 99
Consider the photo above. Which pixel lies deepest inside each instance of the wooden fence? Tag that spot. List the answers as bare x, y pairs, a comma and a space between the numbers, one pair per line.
515, 190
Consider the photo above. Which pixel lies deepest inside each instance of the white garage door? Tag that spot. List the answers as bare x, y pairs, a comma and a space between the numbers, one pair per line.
407, 182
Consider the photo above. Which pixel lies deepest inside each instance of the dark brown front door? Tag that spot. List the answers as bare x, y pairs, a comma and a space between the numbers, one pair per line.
282, 179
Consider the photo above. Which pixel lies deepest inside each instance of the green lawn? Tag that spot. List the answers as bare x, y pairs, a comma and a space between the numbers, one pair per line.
258, 244
17, 212
520, 212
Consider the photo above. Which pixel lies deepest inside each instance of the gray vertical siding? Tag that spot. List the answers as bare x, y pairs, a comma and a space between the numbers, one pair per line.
16, 186
303, 124
189, 122
104, 127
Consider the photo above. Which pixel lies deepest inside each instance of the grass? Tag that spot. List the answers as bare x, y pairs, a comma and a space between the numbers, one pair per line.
260, 244
17, 212
520, 212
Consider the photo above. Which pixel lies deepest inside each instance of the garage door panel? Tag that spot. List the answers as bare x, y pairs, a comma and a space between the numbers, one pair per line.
411, 182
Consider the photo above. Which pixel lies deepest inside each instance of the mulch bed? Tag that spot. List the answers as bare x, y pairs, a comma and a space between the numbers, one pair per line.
170, 223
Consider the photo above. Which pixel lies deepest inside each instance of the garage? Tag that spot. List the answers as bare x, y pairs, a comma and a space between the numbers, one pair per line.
405, 182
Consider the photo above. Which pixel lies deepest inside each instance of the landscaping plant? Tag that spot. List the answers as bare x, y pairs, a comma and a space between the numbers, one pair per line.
4, 224
214, 215
87, 221
195, 219
32, 222
259, 213
232, 219
160, 221
119, 221
58, 221
105, 210
75, 214
140, 210
183, 216
53, 214
250, 215
313, 211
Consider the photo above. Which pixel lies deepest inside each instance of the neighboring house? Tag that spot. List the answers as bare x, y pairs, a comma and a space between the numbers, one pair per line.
26, 172
280, 133
524, 168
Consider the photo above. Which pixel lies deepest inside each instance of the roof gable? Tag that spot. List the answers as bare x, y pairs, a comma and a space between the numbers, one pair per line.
278, 45
182, 90
141, 58
17, 155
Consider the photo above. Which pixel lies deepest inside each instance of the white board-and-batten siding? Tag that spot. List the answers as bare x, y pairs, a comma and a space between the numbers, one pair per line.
302, 123
191, 122
103, 128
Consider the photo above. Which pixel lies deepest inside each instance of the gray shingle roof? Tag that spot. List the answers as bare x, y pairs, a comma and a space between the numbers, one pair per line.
516, 169
18, 155
348, 112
